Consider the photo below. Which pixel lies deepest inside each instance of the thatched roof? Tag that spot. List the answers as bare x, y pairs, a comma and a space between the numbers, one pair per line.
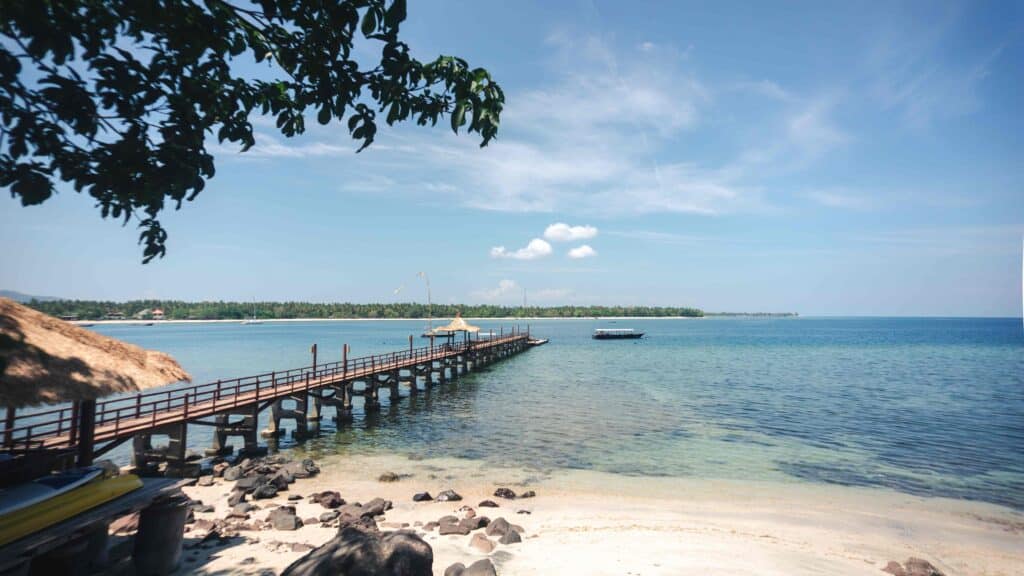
457, 325
44, 360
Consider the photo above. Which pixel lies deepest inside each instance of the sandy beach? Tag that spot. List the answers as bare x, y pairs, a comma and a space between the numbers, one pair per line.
584, 522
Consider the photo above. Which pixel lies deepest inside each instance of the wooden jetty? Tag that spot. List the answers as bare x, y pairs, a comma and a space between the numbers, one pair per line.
232, 407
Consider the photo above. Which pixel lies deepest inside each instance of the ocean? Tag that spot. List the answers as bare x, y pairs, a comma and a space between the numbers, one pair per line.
926, 406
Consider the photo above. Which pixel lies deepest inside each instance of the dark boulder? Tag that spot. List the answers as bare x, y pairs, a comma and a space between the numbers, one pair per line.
264, 491
376, 507
330, 500
528, 494
233, 473
912, 567
499, 527
284, 518
354, 552
448, 496
505, 493
475, 523
328, 516
511, 537
447, 527
236, 497
279, 481
422, 497
480, 568
488, 504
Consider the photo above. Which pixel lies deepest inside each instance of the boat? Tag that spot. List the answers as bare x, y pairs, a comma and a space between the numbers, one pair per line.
429, 331
616, 334
537, 341
253, 319
33, 506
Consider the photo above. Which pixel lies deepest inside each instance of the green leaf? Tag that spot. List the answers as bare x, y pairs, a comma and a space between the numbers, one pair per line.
369, 22
458, 116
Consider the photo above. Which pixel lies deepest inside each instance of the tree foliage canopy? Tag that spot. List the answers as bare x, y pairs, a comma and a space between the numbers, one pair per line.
117, 97
178, 310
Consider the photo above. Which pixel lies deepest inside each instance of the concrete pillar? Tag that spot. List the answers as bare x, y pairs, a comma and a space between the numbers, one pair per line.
273, 429
315, 408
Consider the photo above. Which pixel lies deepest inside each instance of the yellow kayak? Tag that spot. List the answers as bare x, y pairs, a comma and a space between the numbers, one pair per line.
29, 519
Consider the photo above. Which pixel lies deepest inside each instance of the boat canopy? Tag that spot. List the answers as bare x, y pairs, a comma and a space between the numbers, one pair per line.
613, 330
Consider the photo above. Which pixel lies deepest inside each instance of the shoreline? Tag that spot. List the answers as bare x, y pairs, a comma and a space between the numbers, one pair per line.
439, 318
586, 522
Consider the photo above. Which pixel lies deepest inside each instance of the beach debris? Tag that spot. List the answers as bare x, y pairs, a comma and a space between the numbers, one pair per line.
422, 497
284, 518
367, 553
488, 504
482, 567
448, 496
912, 567
467, 511
482, 543
523, 512
294, 497
505, 493
205, 481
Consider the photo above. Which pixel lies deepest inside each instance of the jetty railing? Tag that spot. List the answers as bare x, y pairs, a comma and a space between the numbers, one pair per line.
55, 428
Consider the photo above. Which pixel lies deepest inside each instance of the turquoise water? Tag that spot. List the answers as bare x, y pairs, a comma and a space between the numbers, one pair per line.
926, 406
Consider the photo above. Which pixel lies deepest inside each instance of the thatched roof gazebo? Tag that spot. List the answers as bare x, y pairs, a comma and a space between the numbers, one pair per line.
44, 360
457, 325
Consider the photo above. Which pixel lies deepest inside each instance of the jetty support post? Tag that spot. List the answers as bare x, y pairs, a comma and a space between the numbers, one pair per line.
86, 431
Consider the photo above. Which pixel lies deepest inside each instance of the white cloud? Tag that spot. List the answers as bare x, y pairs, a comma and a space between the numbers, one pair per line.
504, 288
611, 136
583, 251
562, 232
537, 248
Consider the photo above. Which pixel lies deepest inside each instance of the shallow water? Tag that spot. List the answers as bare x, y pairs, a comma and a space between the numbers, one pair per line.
927, 406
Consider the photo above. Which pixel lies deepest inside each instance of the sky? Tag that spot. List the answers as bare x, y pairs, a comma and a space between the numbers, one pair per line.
826, 158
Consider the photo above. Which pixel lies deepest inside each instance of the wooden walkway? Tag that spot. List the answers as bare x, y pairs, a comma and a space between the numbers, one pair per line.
122, 418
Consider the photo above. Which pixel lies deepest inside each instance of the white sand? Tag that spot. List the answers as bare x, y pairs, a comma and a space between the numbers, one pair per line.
592, 523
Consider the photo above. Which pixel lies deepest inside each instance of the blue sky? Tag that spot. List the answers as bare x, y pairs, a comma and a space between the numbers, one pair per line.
822, 158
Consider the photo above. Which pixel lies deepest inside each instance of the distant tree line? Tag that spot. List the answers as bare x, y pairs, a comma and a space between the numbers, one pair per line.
179, 310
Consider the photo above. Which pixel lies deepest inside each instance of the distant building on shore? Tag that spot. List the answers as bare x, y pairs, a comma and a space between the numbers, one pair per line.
114, 315
158, 314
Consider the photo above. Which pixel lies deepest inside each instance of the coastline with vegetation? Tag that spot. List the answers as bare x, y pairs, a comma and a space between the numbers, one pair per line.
181, 310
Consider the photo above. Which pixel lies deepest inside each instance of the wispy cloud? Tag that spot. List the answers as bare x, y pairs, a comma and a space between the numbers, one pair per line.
562, 232
537, 248
920, 71
841, 199
583, 251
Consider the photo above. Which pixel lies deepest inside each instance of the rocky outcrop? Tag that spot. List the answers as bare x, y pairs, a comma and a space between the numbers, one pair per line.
354, 552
